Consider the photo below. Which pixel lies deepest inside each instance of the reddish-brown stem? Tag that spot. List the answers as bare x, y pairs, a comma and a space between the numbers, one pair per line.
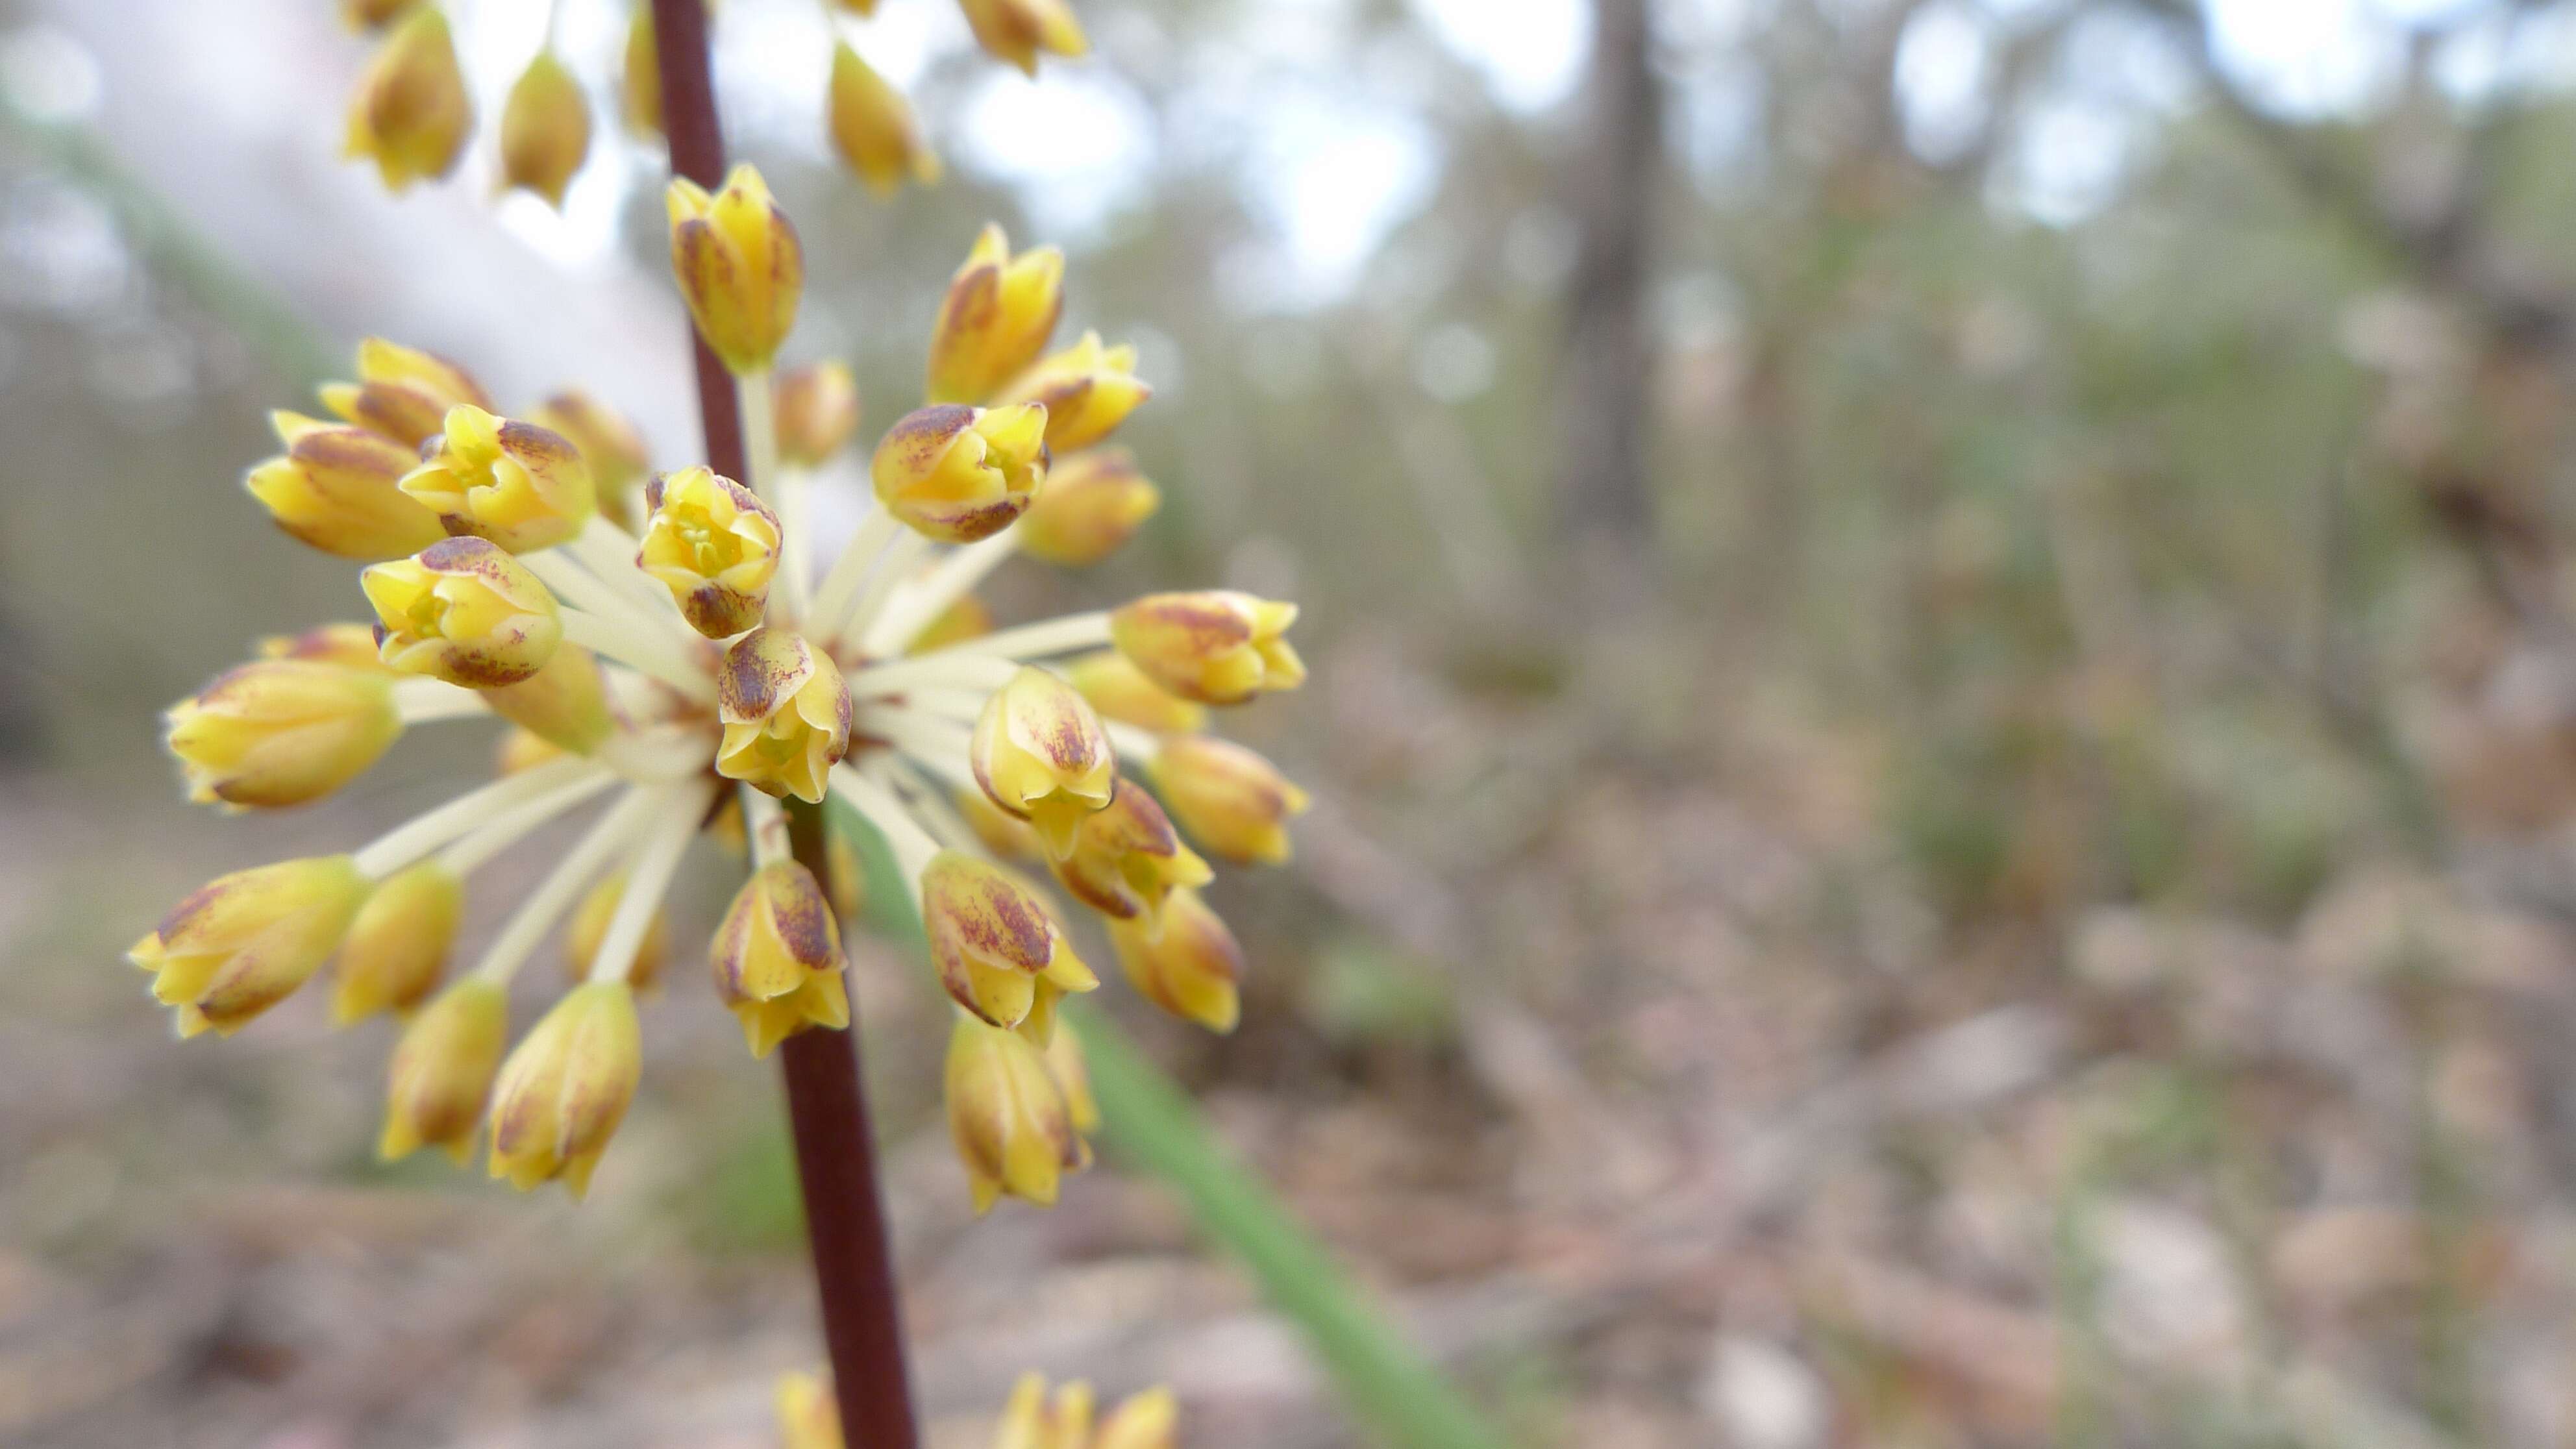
827, 1107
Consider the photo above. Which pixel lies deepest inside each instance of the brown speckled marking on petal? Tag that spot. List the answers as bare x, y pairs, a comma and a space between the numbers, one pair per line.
349, 450
653, 495
1210, 626
974, 299
803, 920
921, 437
537, 447
976, 522
1009, 929
203, 898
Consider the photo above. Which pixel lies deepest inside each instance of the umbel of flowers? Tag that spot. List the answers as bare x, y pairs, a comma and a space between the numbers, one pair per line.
669, 655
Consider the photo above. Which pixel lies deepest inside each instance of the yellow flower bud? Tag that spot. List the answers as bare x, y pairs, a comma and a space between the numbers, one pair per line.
545, 129
1216, 646
244, 942
589, 926
523, 750
337, 488
1127, 858
995, 320
849, 883
402, 393
398, 944
564, 1089
777, 957
714, 545
818, 410
442, 1070
1016, 30
279, 732
609, 446
521, 486
1088, 390
365, 15
640, 81
351, 646
1004, 834
873, 127
1092, 504
968, 618
463, 611
1120, 691
1041, 754
739, 265
1228, 798
993, 939
565, 703
959, 474
807, 1416
411, 112
1029, 1421
1007, 1117
1150, 1420
1073, 1078
1184, 961
785, 712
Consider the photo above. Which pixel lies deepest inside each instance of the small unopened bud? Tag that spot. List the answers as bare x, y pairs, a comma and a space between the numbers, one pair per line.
351, 646
640, 78
1216, 646
463, 611
849, 884
1016, 30
564, 1089
338, 489
609, 446
402, 393
1088, 390
442, 1070
589, 926
1091, 505
777, 957
994, 940
873, 127
1007, 1117
786, 714
995, 320
545, 129
739, 265
523, 750
564, 703
959, 474
398, 945
1042, 754
1120, 691
1127, 858
807, 1416
1229, 798
245, 941
1150, 1420
279, 732
714, 545
818, 410
411, 112
1183, 960
521, 486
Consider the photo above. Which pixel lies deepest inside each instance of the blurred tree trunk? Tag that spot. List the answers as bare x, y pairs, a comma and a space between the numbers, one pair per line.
1605, 392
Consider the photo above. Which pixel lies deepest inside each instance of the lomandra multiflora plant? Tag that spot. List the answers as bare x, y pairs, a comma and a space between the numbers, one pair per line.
670, 654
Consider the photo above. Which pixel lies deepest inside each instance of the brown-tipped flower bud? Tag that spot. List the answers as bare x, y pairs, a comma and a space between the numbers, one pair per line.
873, 128
777, 957
786, 714
968, 618
609, 446
564, 703
565, 1088
714, 545
1088, 390
1216, 646
545, 129
959, 474
398, 945
739, 265
1016, 30
1228, 798
995, 320
993, 939
245, 941
280, 732
442, 1070
351, 646
411, 112
338, 489
402, 393
588, 926
818, 410
463, 611
1042, 754
1183, 960
521, 486
1007, 1117
1091, 505
1120, 691
1127, 858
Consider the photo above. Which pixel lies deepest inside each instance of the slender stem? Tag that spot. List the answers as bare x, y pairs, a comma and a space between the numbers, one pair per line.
901, 557
563, 885
424, 700
656, 860
1047, 636
911, 611
510, 826
459, 817
912, 846
665, 659
826, 1106
841, 586
961, 671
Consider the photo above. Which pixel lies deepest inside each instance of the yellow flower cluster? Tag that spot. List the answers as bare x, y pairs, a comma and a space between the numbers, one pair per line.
1033, 1419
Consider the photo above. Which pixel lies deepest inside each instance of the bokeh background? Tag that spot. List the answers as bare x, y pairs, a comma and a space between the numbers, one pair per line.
1944, 719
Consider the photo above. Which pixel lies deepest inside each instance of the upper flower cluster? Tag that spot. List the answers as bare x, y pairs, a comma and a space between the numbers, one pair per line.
671, 645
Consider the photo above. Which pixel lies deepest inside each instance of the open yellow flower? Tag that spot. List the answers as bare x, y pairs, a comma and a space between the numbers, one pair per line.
714, 545
961, 474
465, 612
521, 486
